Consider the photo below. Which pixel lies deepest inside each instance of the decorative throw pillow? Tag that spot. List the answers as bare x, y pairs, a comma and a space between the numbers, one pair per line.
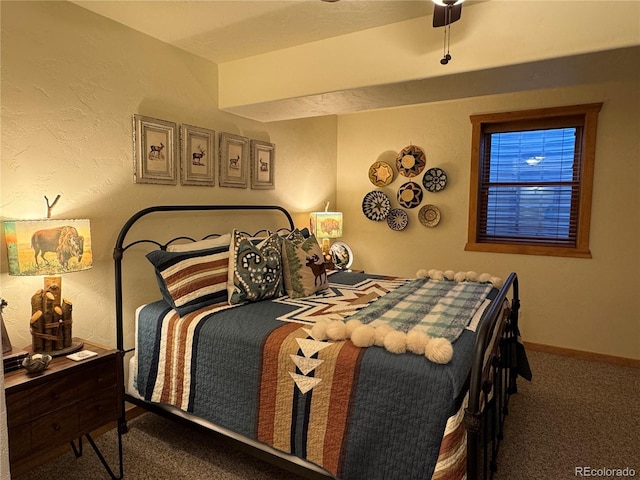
192, 280
304, 268
255, 270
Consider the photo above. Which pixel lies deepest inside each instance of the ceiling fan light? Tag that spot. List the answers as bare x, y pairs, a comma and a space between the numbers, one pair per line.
447, 3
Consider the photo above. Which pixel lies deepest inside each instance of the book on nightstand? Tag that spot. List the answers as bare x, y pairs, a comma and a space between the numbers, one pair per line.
12, 360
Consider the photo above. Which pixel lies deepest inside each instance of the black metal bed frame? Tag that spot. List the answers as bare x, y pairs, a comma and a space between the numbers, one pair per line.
492, 379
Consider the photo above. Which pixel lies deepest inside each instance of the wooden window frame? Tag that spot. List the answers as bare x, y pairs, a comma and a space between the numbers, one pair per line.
484, 123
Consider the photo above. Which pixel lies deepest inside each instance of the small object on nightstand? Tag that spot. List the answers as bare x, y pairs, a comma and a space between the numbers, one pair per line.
83, 355
13, 360
36, 363
342, 255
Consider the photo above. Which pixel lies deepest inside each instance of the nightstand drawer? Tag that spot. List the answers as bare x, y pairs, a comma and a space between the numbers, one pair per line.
55, 428
20, 444
53, 395
18, 408
101, 375
97, 410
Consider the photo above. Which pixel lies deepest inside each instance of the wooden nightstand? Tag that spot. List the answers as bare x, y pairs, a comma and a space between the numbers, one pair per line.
65, 402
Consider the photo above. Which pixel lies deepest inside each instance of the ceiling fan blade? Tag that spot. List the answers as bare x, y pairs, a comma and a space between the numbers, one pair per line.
440, 15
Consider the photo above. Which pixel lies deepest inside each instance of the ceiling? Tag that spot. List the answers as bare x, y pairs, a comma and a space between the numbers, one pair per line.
222, 31
225, 30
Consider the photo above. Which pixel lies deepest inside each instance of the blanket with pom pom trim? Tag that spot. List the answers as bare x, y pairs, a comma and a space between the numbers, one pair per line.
437, 308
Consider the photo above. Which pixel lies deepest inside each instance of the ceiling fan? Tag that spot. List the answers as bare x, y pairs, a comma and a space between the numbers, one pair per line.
445, 12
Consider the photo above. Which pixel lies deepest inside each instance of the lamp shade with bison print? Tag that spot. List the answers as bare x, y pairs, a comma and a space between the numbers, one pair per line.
326, 225
48, 247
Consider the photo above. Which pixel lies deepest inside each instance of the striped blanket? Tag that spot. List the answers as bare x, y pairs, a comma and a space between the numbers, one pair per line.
360, 413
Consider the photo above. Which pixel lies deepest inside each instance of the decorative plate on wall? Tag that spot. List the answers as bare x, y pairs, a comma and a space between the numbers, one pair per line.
381, 174
429, 216
410, 195
376, 205
397, 219
434, 180
411, 161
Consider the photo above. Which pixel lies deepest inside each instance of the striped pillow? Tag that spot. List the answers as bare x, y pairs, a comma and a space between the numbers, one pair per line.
192, 280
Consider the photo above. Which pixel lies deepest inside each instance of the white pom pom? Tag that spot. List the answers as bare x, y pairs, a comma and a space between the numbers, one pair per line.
363, 336
421, 273
439, 350
381, 332
484, 278
395, 342
472, 276
352, 325
336, 330
438, 275
431, 272
449, 274
417, 341
460, 277
497, 282
319, 330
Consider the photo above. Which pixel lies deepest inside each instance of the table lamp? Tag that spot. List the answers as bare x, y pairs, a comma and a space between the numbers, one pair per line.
49, 248
326, 225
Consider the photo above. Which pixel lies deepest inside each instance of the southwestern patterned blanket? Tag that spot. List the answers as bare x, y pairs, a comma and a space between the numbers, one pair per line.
360, 413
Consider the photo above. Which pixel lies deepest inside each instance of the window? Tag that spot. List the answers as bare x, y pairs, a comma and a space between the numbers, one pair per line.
531, 181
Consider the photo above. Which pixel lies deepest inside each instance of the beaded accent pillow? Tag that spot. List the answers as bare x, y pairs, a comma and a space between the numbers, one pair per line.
255, 270
304, 268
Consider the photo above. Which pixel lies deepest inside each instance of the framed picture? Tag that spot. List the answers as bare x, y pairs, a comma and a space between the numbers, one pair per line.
155, 151
341, 255
234, 164
198, 156
263, 158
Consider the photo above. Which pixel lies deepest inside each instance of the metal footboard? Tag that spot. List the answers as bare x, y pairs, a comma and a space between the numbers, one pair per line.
493, 380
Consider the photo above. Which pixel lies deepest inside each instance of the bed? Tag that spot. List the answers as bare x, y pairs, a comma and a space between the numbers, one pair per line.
344, 375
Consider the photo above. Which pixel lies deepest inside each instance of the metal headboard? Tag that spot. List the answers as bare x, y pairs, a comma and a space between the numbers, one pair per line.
120, 247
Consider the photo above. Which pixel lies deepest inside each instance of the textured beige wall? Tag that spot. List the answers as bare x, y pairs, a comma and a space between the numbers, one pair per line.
71, 81
585, 304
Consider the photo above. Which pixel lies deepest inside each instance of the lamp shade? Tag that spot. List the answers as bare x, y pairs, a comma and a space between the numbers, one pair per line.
48, 247
447, 3
326, 224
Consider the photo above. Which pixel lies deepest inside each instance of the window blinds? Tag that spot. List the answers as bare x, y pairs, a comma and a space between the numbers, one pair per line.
530, 186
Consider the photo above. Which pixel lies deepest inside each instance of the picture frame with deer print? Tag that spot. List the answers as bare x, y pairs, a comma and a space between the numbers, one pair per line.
155, 150
263, 158
197, 146
234, 163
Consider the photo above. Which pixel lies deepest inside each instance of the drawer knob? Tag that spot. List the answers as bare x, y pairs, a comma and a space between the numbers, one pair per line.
56, 427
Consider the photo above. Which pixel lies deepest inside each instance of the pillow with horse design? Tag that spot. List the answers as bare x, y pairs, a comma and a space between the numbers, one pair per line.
255, 270
304, 268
